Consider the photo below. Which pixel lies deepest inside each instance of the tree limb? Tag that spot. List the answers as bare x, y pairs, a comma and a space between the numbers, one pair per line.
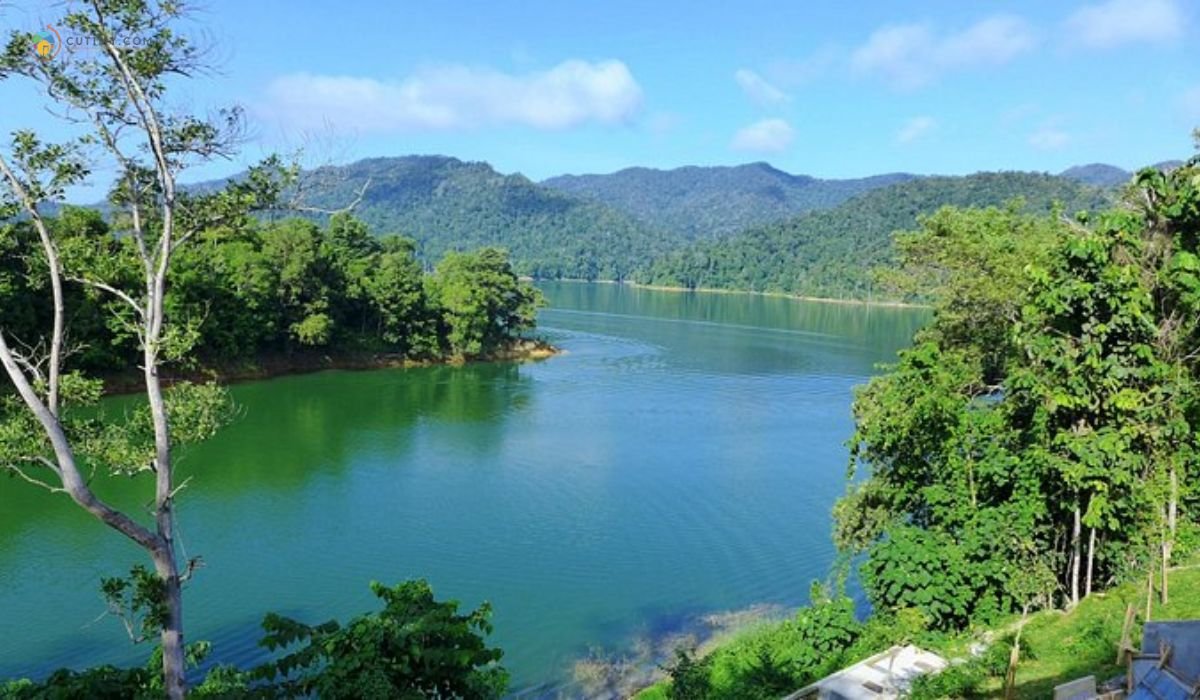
123, 296
33, 480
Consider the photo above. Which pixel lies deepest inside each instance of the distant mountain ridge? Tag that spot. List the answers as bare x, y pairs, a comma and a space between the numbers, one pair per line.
831, 252
711, 202
1098, 174
1105, 175
445, 204
683, 227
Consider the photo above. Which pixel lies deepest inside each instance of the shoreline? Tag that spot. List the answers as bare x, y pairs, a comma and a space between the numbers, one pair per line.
717, 290
282, 365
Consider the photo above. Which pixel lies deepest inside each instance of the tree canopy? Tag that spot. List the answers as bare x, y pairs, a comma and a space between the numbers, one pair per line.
1038, 441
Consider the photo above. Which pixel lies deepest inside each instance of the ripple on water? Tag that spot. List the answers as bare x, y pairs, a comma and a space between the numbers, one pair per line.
680, 458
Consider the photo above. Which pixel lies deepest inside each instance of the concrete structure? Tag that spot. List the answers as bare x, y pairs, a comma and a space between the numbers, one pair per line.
1168, 666
885, 676
1081, 689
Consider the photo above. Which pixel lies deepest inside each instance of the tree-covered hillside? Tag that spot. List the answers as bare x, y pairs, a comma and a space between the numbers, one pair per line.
734, 228
833, 252
445, 204
711, 202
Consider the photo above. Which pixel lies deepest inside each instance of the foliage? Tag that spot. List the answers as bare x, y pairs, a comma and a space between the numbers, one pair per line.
139, 600
832, 252
447, 205
1030, 445
973, 261
112, 443
481, 300
263, 288
713, 202
416, 647
962, 680
1058, 647
689, 676
778, 658
774, 659
748, 227
923, 570
144, 683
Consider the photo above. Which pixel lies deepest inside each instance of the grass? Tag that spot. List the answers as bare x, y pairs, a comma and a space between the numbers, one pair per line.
1066, 646
658, 691
1057, 646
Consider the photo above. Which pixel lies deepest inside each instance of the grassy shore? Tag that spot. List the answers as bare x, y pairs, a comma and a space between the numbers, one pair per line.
1057, 646
1063, 646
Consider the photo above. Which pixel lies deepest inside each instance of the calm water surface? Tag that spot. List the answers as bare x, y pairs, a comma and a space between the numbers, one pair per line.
680, 458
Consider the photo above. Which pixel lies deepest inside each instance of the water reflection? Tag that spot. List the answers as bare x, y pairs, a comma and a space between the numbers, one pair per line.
680, 458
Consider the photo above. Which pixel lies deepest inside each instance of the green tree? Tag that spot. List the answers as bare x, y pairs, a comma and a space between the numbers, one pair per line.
482, 301
396, 290
120, 93
292, 248
1045, 420
416, 647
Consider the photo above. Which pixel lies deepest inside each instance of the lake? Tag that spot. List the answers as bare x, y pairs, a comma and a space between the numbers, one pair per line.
680, 458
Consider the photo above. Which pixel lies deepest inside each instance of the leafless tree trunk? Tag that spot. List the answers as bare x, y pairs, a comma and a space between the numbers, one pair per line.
1014, 657
1076, 552
1169, 541
1149, 586
1087, 590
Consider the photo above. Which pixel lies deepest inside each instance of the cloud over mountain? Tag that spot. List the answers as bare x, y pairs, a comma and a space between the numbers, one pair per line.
909, 56
456, 97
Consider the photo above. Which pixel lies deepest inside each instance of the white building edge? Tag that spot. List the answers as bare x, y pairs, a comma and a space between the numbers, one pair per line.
885, 676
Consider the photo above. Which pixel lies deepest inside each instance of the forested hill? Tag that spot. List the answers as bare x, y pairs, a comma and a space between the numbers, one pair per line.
711, 202
681, 227
832, 253
447, 204
1104, 175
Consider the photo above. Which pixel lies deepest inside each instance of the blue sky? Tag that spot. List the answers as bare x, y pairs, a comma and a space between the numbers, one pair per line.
832, 90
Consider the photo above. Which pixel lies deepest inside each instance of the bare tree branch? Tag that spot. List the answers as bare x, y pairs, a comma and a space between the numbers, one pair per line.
56, 339
33, 480
297, 206
123, 296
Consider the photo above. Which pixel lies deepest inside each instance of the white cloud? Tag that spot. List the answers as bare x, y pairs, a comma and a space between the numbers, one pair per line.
457, 97
1049, 138
1119, 22
758, 89
766, 136
915, 128
911, 55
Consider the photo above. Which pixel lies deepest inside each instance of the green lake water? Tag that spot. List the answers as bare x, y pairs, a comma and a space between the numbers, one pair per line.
680, 458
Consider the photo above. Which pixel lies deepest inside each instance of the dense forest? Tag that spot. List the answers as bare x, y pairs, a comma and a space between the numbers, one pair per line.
713, 202
279, 288
1036, 445
445, 204
1038, 442
832, 253
749, 227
